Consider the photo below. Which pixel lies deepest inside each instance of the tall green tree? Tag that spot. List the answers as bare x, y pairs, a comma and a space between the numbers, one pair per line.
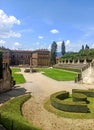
63, 48
86, 47
53, 53
82, 47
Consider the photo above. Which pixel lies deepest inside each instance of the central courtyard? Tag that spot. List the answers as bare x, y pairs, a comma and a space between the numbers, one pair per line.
41, 87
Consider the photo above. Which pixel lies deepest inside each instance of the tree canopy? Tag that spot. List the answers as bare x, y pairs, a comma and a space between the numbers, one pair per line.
53, 53
87, 54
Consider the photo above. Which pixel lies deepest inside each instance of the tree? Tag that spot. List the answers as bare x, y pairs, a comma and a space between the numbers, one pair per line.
53, 53
63, 48
82, 47
86, 47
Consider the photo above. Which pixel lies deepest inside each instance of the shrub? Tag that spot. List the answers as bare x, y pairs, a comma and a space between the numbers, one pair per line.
27, 70
11, 117
63, 95
58, 100
88, 93
79, 97
35, 70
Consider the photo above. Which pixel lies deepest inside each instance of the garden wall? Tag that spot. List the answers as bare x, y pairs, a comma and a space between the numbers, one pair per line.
6, 82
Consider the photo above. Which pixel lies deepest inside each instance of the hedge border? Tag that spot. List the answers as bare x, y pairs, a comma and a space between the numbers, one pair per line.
88, 93
79, 97
61, 104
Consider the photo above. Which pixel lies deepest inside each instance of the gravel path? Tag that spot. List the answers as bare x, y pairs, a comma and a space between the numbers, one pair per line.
42, 87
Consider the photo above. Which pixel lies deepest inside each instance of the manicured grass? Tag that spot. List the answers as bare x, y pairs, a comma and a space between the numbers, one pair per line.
19, 78
73, 115
11, 117
58, 74
16, 70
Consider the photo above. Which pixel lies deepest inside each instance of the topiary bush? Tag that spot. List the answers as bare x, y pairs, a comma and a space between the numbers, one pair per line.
79, 97
27, 70
58, 100
88, 93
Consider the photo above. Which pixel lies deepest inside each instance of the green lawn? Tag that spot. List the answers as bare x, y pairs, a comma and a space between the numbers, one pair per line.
73, 115
19, 78
58, 74
11, 116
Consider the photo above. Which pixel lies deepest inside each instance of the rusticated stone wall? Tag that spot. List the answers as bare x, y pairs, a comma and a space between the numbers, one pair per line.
6, 83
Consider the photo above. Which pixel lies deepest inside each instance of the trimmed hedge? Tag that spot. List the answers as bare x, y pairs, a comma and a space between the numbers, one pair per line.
69, 69
62, 95
11, 117
27, 70
88, 93
58, 101
79, 97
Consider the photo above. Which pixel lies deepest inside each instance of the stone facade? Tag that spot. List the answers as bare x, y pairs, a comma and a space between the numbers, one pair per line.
6, 82
37, 58
6, 55
20, 57
16, 57
40, 58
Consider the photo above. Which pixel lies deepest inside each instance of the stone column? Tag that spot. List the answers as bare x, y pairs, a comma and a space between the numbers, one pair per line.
93, 60
78, 61
73, 61
68, 61
85, 61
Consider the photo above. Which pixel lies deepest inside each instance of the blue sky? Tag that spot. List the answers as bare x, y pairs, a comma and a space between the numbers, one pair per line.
35, 24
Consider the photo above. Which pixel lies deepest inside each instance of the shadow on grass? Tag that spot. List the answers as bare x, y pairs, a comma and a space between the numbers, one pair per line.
12, 93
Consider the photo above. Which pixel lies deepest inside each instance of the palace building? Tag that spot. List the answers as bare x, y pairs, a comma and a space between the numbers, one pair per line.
40, 58
37, 58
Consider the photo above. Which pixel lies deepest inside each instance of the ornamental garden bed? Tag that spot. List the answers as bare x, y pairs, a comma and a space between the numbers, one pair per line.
75, 105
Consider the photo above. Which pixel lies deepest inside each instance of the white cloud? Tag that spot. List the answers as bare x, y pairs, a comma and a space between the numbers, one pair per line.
49, 47
59, 43
92, 46
6, 24
6, 20
17, 44
67, 43
9, 34
40, 37
54, 31
2, 42
14, 34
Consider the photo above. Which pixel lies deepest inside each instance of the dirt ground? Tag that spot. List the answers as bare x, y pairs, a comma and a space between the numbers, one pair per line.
41, 87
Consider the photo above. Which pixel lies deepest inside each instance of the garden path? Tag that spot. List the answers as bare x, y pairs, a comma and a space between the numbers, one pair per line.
42, 87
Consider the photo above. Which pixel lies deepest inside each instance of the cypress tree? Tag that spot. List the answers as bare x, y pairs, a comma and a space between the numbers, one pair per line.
63, 48
53, 53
